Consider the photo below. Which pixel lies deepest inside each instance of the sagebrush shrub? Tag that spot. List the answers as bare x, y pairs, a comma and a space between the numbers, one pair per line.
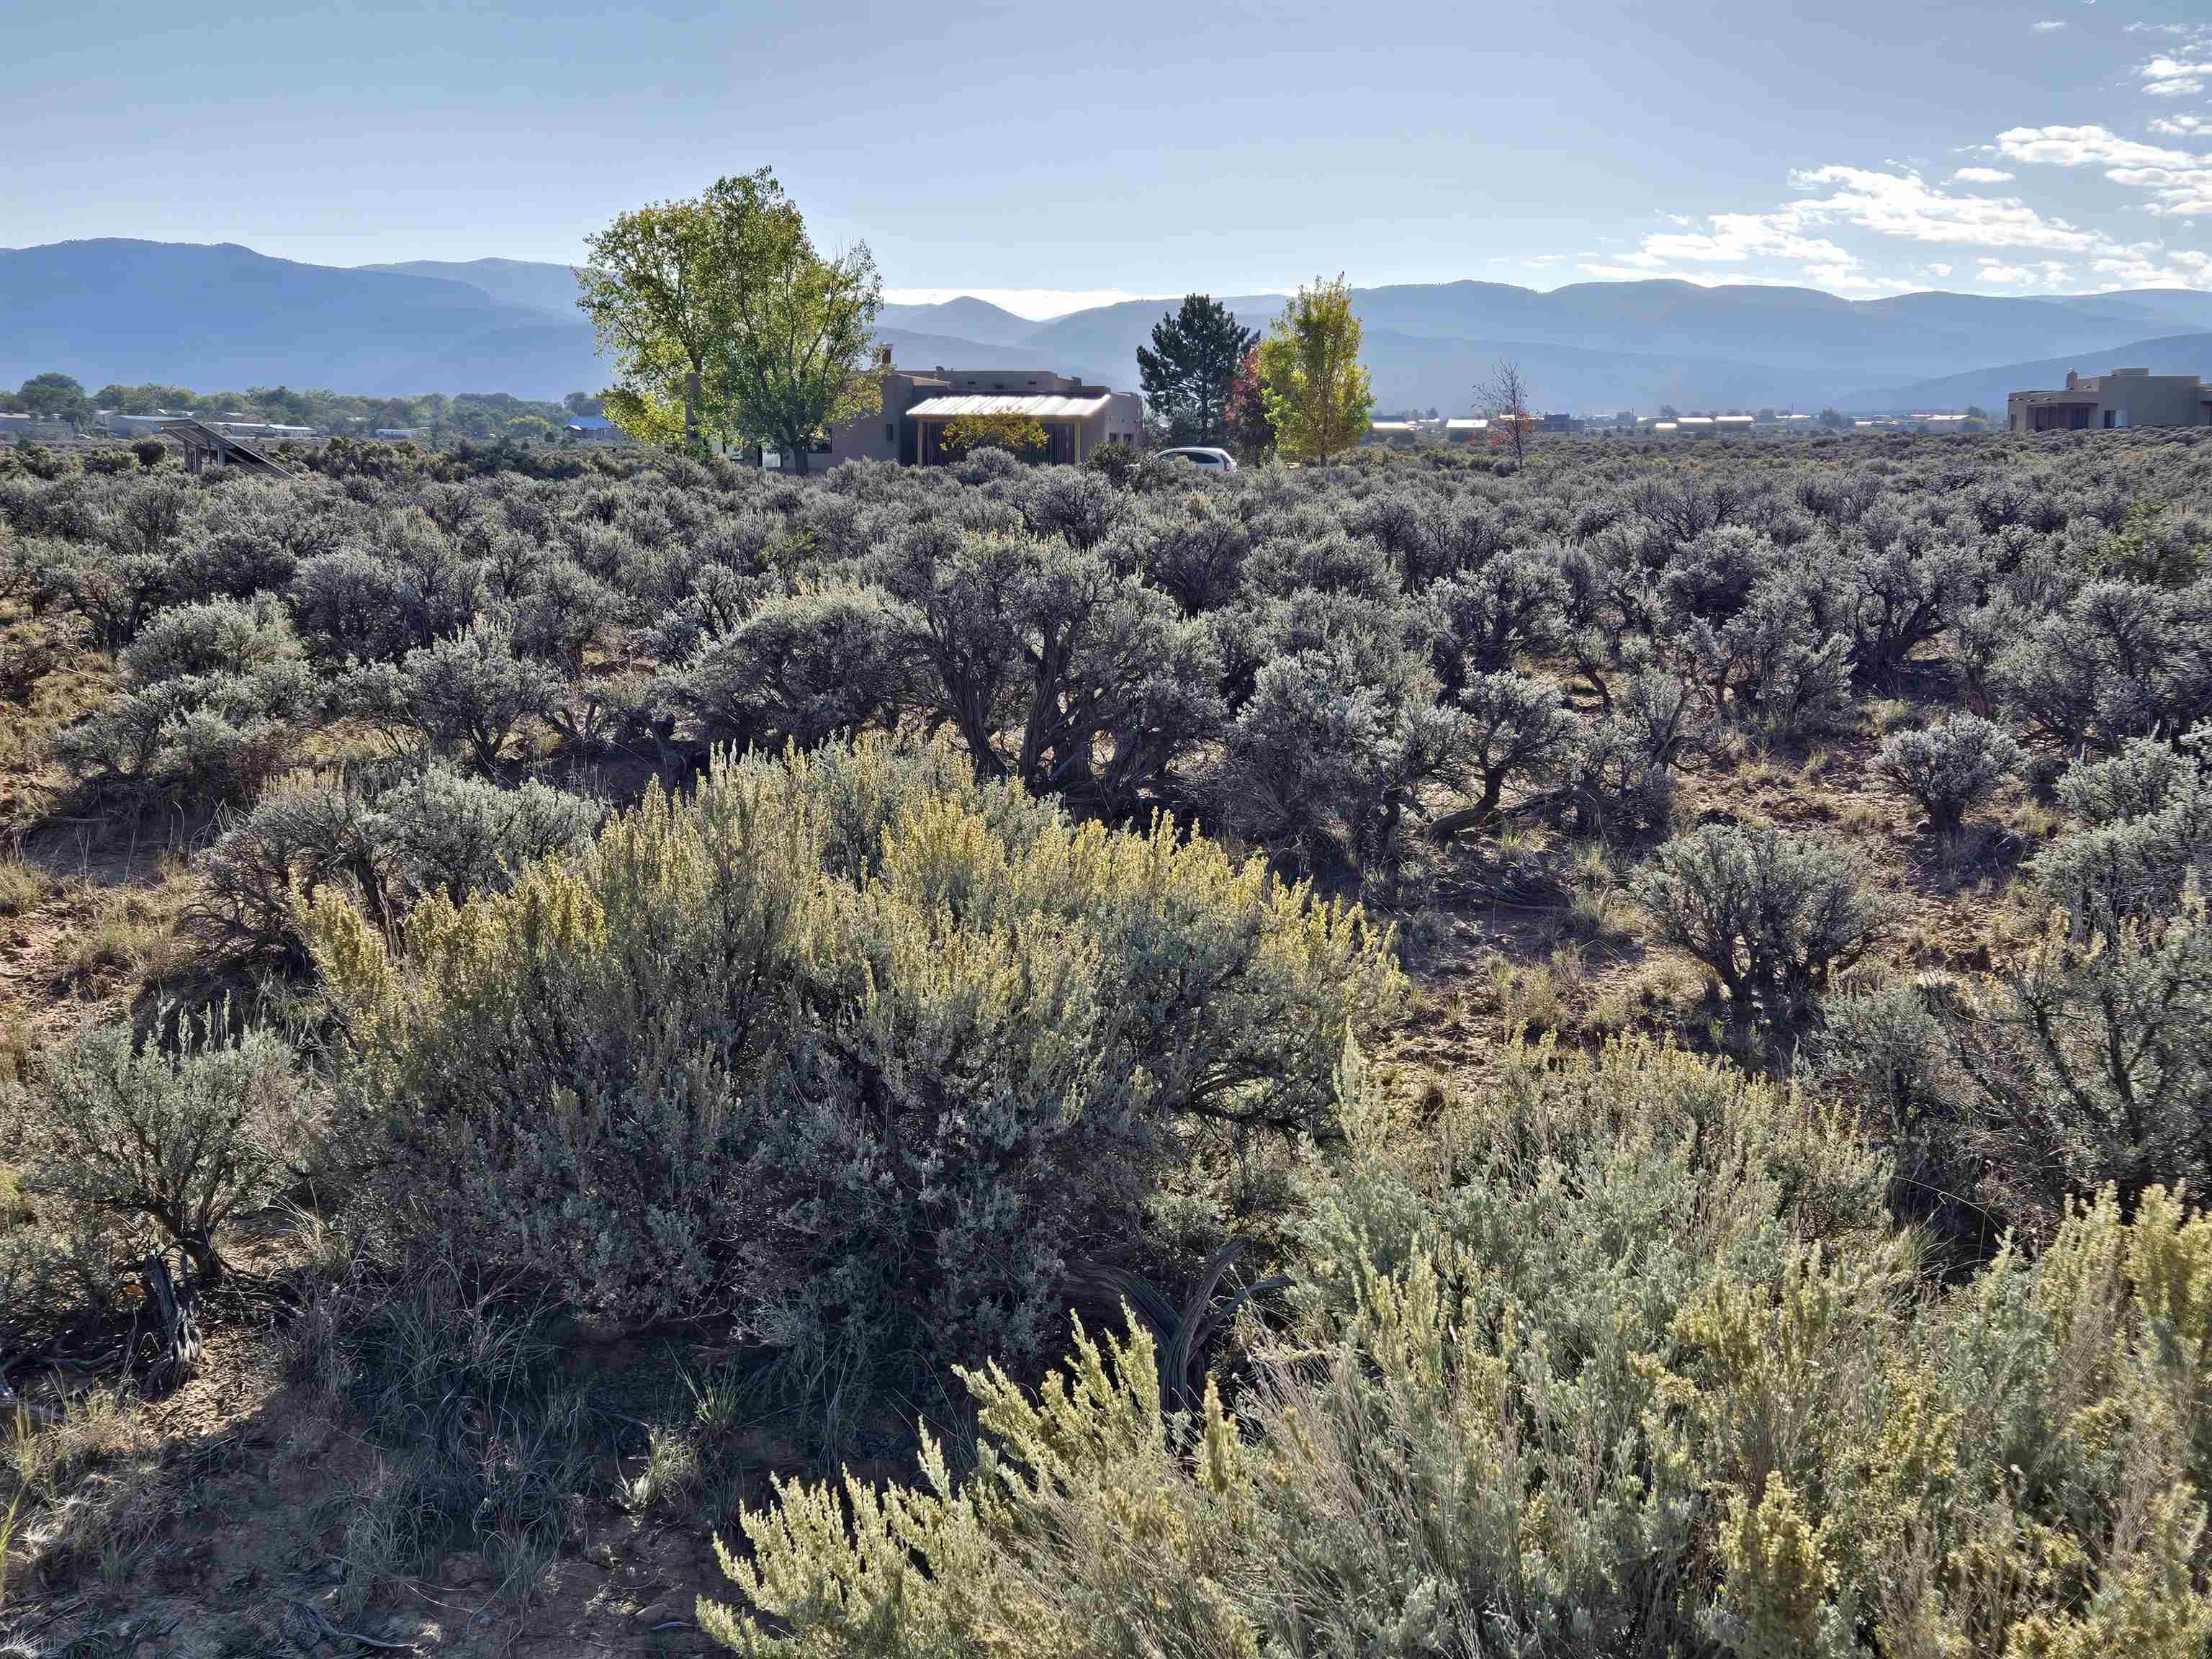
166, 1145
2120, 660
2147, 829
1951, 767
388, 841
1774, 915
1482, 1436
855, 1052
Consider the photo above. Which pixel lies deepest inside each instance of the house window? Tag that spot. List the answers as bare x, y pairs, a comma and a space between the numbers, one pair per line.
891, 433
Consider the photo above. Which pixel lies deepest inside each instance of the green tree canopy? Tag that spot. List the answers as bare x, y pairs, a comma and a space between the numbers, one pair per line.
1319, 396
1191, 367
661, 288
798, 362
725, 321
54, 396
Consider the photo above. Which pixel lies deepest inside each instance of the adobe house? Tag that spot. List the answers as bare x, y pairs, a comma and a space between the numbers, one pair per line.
2125, 398
1078, 419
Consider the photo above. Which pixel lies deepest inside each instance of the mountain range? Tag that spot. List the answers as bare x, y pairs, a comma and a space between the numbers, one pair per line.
225, 318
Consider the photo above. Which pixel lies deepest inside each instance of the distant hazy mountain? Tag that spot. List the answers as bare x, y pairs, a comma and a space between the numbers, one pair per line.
2190, 306
529, 283
2172, 354
225, 318
964, 319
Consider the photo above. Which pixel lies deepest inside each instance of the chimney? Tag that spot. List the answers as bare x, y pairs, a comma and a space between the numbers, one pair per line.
2073, 380
882, 357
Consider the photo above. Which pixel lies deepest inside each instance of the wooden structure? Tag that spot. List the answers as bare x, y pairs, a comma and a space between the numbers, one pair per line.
204, 445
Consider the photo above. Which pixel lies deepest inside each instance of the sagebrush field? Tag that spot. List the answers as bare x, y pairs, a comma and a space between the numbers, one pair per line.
1611, 1055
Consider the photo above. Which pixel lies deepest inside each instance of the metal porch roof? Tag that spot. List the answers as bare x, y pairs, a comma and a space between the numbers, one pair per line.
1037, 408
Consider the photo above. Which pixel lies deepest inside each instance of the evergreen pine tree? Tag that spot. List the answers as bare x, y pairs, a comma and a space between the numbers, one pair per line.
1194, 357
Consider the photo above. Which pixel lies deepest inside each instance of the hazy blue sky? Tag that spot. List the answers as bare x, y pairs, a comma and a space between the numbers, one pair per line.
1115, 147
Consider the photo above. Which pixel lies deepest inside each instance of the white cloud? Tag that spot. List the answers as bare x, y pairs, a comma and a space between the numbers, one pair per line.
1904, 204
2150, 264
1939, 271
2077, 147
2180, 181
2183, 126
2047, 273
1982, 176
2045, 28
1733, 238
2174, 78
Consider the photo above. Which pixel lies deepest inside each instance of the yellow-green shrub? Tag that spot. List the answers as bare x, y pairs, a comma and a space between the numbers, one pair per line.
843, 1044
1626, 1360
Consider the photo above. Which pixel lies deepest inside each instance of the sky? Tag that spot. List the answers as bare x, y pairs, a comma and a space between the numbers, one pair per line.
1050, 157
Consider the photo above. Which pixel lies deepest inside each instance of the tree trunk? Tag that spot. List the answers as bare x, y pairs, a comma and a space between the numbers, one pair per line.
170, 1317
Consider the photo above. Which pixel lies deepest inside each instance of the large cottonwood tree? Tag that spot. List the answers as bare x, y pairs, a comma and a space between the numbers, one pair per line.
725, 322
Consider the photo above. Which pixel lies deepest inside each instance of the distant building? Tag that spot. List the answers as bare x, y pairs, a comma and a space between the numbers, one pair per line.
395, 434
594, 430
1462, 428
918, 404
2125, 398
16, 426
245, 426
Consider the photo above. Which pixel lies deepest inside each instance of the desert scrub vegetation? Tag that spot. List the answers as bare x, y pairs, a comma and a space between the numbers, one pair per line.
1624, 1357
845, 923
848, 1047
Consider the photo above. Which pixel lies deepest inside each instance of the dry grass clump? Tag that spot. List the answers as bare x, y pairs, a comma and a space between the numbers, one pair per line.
23, 887
127, 938
85, 1495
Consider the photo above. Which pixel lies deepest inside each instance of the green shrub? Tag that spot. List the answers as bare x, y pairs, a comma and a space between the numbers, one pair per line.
2147, 829
2119, 660
222, 636
465, 695
1949, 768
193, 741
1621, 1357
846, 1045
388, 842
1774, 915
801, 668
2091, 1058
164, 1146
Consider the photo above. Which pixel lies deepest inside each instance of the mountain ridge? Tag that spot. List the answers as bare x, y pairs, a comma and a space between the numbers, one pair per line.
223, 317
2172, 354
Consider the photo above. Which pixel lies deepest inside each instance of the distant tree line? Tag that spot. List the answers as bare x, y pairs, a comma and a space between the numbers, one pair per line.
477, 417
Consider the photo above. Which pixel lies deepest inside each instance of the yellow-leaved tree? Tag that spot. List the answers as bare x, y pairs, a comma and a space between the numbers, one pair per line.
1318, 394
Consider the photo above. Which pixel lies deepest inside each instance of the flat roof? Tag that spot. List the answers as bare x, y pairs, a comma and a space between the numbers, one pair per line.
1037, 408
